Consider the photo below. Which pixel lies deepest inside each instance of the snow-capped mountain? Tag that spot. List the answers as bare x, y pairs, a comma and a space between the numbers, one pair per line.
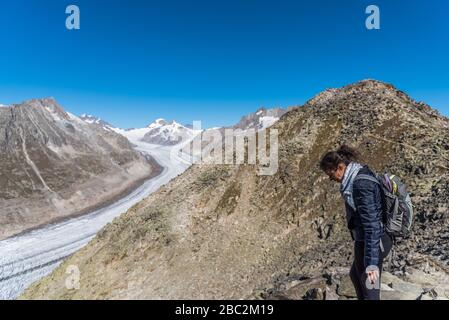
261, 119
167, 133
159, 132
95, 120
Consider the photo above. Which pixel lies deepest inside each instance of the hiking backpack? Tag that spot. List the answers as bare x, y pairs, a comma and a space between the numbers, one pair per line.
396, 202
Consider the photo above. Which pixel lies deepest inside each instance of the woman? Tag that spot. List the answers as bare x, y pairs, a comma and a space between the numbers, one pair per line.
363, 201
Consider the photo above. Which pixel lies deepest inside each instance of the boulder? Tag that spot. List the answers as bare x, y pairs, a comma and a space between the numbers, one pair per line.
346, 288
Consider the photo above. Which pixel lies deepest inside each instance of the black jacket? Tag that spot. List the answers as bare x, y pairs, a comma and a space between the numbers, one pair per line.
365, 223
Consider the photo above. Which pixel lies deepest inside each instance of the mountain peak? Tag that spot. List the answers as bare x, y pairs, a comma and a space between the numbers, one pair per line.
374, 89
371, 84
88, 118
261, 110
44, 102
166, 133
261, 119
176, 124
49, 104
157, 123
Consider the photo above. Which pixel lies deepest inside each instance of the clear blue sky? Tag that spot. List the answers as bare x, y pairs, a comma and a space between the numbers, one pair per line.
134, 61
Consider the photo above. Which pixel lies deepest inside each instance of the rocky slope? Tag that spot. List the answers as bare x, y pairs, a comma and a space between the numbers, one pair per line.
221, 231
54, 165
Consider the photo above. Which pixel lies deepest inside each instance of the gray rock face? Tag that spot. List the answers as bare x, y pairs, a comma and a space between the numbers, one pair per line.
52, 164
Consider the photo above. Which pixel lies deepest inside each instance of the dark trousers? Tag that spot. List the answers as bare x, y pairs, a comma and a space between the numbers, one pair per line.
358, 271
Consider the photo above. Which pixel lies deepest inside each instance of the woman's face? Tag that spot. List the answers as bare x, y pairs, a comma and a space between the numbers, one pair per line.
337, 175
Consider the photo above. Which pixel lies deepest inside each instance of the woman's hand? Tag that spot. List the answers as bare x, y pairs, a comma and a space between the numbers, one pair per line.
372, 274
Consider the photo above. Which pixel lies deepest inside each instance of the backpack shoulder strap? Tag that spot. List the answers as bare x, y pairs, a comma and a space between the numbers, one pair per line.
366, 177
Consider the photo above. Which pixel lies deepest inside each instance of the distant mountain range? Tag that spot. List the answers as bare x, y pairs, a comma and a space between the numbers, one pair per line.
167, 133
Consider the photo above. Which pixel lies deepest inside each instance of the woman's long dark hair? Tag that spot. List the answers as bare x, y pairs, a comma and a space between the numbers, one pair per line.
344, 154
